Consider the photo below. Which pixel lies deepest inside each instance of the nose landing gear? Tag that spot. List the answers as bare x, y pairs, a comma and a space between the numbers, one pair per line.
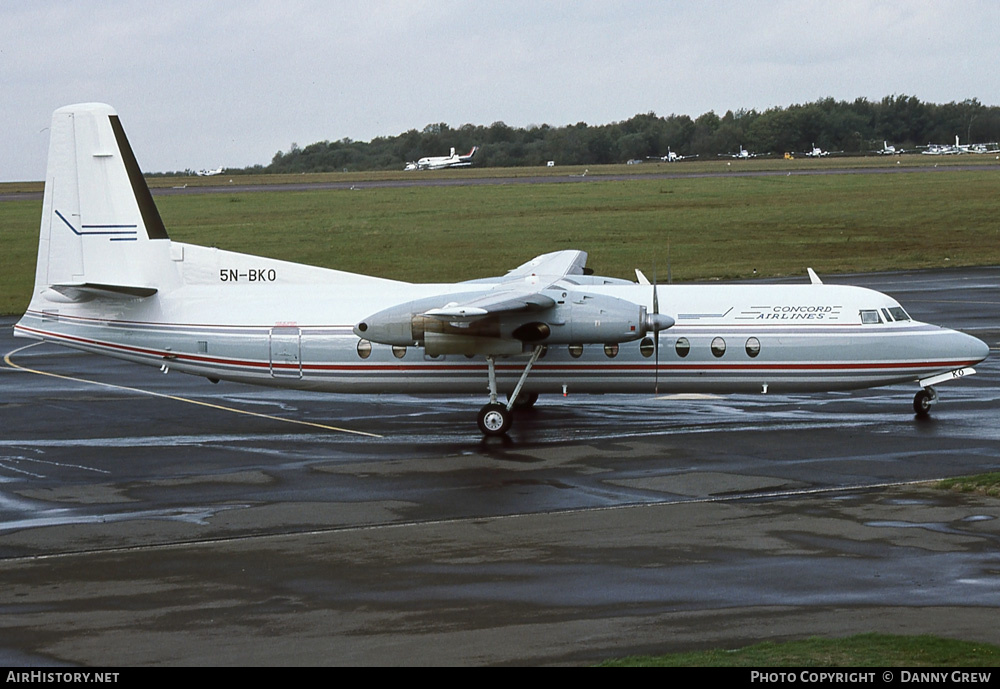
923, 400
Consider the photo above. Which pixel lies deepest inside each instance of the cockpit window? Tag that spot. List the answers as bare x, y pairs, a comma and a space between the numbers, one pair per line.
898, 313
888, 318
870, 316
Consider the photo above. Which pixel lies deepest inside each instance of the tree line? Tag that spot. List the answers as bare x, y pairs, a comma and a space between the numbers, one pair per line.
858, 127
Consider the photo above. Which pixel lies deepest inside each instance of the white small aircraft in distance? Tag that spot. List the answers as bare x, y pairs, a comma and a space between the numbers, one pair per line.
442, 162
992, 147
959, 148
210, 173
888, 150
742, 154
109, 280
944, 149
671, 157
817, 152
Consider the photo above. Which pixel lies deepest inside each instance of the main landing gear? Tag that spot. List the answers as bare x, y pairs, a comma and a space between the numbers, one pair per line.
495, 418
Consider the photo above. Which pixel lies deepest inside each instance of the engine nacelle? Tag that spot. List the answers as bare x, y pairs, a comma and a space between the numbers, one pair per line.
584, 318
404, 325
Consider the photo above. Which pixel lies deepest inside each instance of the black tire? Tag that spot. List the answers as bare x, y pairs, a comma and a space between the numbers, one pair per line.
922, 403
526, 400
494, 420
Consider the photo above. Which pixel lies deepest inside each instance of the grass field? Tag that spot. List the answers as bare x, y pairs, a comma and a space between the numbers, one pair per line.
698, 228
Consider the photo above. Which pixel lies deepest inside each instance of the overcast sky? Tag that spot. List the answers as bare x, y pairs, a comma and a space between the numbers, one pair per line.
201, 84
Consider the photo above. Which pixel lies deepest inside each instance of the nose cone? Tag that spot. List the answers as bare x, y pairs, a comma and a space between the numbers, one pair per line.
971, 349
979, 349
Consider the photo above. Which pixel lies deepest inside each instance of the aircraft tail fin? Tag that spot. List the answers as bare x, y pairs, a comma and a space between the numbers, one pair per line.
101, 234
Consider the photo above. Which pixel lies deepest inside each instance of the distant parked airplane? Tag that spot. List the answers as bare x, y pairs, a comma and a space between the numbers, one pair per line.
742, 154
441, 162
671, 157
888, 150
816, 152
959, 148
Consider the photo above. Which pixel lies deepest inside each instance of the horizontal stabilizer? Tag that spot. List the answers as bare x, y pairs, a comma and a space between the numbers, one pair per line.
86, 291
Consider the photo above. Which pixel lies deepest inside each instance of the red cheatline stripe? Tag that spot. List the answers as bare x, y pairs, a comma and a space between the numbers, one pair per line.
432, 367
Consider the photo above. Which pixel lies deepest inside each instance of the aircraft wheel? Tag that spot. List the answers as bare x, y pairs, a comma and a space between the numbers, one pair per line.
525, 400
494, 419
922, 403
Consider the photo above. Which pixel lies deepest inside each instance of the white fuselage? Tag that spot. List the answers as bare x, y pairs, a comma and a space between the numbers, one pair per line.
236, 317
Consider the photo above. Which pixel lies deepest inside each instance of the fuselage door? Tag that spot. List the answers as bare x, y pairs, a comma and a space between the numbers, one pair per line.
286, 349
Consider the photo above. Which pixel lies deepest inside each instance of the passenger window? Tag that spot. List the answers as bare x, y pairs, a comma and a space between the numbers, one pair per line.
398, 351
576, 351
611, 350
646, 347
870, 317
364, 349
718, 347
682, 347
753, 347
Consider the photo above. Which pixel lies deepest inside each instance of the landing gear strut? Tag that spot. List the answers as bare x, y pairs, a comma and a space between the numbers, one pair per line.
495, 418
526, 400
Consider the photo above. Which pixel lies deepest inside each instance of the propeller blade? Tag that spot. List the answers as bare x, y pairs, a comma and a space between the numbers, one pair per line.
656, 338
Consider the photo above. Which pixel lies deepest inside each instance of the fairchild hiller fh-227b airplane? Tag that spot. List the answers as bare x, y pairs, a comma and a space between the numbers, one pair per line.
110, 281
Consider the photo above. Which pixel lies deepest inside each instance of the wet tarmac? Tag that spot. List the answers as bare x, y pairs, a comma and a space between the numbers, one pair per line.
140, 526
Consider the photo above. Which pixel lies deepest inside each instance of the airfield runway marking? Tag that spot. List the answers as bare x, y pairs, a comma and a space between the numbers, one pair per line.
471, 519
7, 360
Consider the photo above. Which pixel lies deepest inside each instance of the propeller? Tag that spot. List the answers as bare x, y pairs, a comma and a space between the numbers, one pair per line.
656, 338
655, 321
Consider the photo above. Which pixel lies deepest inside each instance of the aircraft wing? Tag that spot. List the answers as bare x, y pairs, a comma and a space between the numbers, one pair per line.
531, 304
557, 264
521, 289
493, 302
